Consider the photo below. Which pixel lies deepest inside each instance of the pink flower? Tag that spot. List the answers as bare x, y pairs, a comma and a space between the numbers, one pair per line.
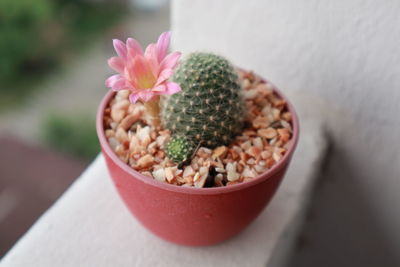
145, 75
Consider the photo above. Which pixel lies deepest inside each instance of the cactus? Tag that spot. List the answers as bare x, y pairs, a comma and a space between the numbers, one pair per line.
179, 149
210, 109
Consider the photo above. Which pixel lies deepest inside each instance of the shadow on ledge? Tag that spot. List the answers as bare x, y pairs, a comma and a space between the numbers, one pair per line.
340, 229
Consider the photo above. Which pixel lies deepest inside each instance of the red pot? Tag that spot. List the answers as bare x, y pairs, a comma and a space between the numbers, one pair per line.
193, 216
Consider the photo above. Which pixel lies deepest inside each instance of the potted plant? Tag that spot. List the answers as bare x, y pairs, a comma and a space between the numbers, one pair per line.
197, 148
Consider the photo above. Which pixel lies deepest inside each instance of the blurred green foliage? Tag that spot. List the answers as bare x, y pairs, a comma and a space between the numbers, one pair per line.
72, 135
20, 23
37, 35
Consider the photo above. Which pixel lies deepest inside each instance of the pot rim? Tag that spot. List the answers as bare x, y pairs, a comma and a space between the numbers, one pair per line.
106, 148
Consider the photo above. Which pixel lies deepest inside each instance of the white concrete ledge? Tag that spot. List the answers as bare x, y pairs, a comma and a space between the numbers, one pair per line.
90, 226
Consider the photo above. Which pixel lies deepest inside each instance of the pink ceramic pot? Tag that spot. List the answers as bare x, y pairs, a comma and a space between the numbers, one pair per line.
193, 216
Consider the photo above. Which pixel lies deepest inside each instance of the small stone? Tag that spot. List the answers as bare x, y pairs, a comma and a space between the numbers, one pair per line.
220, 170
118, 110
146, 173
276, 156
287, 116
196, 177
231, 167
260, 169
129, 120
219, 152
195, 166
245, 83
113, 125
250, 94
273, 141
254, 152
266, 110
264, 89
203, 152
284, 134
113, 143
188, 171
159, 175
219, 177
234, 154
134, 145
261, 122
169, 174
152, 145
266, 154
161, 140
200, 182
244, 157
251, 161
145, 162
247, 172
144, 136
200, 161
267, 133
239, 167
121, 135
122, 94
276, 113
286, 125
233, 176
257, 142
109, 133
246, 145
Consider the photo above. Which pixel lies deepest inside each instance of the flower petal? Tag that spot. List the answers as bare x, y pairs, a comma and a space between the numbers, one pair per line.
120, 48
146, 95
139, 73
164, 75
134, 48
133, 98
170, 61
151, 56
117, 64
162, 45
173, 88
116, 82
160, 89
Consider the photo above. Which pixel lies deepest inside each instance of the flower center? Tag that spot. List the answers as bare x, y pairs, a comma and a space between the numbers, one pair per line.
146, 81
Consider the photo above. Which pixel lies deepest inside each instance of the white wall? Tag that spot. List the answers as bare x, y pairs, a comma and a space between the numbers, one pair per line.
346, 52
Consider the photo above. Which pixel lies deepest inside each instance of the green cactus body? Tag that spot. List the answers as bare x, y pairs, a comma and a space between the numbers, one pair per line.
210, 109
179, 149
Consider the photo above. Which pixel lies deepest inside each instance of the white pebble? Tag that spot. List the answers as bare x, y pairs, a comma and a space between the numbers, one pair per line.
188, 171
232, 176
220, 170
159, 175
231, 167
144, 135
257, 142
247, 172
113, 143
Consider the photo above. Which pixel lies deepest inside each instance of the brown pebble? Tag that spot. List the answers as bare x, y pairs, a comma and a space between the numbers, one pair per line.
287, 116
266, 154
255, 152
129, 120
145, 162
219, 152
268, 133
261, 122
